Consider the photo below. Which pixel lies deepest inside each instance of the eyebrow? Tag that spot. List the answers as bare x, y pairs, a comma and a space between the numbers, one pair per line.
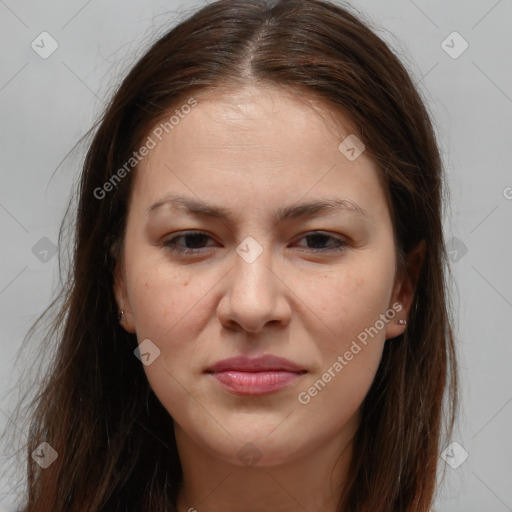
307, 209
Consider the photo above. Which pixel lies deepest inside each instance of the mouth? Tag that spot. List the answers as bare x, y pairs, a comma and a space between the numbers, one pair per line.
263, 375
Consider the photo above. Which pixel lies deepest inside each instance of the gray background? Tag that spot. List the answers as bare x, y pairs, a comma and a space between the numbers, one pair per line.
48, 104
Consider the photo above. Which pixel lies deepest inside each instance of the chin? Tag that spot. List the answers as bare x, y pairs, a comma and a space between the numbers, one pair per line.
254, 449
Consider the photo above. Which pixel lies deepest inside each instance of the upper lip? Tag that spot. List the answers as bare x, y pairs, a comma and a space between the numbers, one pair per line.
257, 364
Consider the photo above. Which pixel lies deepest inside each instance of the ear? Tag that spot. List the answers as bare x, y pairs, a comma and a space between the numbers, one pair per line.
121, 295
404, 289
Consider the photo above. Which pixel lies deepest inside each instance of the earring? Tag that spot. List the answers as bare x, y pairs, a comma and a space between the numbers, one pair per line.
401, 322
120, 315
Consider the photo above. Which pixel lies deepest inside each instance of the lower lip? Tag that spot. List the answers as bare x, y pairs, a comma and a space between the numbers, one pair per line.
256, 383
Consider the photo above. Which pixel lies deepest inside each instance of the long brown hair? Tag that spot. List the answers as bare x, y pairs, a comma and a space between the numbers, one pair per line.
114, 440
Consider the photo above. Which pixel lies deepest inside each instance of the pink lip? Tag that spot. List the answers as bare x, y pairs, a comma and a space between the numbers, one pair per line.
255, 376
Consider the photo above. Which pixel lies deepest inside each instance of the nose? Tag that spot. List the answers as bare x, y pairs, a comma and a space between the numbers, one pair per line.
255, 296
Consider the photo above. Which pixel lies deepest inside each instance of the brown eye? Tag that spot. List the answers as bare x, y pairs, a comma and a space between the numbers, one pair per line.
194, 242
319, 239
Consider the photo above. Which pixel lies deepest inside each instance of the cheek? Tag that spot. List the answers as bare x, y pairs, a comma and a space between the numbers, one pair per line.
350, 300
335, 396
351, 351
163, 299
167, 311
172, 309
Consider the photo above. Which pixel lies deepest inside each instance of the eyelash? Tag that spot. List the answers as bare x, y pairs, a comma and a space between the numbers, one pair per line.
170, 244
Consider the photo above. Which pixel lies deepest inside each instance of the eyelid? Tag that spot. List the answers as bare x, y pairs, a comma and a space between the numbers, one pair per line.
184, 250
341, 241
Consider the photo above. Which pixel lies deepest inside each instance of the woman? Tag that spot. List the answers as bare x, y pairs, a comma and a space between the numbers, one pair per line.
256, 317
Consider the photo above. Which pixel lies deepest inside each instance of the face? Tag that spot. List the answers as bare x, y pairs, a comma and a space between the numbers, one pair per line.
237, 268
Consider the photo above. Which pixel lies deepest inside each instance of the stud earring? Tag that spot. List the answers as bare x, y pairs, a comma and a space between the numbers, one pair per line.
120, 315
401, 321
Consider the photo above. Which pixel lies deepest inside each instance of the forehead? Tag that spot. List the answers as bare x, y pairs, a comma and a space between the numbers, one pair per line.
268, 117
258, 145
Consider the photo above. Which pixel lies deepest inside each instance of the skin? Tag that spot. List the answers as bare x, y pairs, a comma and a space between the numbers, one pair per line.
254, 150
